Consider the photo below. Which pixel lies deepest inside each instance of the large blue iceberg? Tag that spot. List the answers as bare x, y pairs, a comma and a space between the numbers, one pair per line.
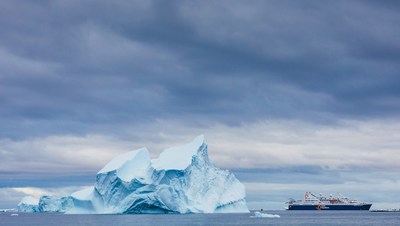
181, 180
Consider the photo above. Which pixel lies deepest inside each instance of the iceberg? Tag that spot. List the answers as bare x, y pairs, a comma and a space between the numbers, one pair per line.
28, 204
181, 180
54, 204
264, 215
46, 203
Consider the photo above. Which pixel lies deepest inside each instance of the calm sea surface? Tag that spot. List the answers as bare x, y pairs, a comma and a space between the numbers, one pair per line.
287, 218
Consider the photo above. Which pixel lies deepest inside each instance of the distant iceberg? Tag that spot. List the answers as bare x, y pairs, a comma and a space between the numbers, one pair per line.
28, 204
181, 180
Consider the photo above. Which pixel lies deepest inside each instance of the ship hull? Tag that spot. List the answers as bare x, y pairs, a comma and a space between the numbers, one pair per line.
330, 207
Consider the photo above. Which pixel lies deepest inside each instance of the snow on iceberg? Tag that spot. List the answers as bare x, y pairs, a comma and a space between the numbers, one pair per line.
181, 180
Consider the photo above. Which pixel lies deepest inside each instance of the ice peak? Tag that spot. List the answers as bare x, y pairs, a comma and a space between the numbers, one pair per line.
123, 160
199, 139
178, 158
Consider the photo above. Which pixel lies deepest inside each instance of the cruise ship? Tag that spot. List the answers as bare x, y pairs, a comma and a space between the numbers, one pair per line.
320, 202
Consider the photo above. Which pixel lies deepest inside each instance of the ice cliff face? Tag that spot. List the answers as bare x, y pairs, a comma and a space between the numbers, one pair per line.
181, 180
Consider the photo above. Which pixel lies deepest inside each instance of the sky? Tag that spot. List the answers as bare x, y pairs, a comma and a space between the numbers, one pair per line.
292, 96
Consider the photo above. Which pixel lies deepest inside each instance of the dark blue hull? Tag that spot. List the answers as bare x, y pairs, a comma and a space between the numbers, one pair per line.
330, 207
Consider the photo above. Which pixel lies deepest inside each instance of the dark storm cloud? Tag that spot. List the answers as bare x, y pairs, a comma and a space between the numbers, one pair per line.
81, 67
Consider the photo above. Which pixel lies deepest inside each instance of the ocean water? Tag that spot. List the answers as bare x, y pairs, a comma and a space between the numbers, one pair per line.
287, 218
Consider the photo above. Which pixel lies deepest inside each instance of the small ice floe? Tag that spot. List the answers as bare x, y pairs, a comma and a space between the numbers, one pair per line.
14, 214
265, 215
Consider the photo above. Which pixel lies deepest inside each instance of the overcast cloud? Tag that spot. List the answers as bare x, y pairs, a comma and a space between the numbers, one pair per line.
271, 84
